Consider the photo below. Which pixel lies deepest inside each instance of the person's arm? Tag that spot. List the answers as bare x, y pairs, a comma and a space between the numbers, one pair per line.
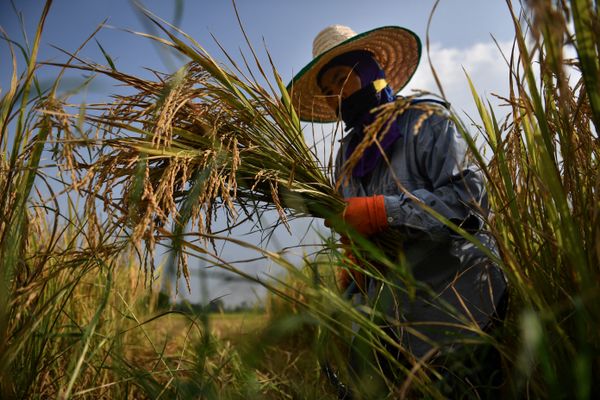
456, 187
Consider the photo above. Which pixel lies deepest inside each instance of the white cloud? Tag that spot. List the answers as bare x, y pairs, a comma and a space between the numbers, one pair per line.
485, 65
482, 61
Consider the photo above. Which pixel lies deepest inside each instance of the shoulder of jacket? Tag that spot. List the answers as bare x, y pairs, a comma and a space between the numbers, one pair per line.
442, 103
430, 113
418, 106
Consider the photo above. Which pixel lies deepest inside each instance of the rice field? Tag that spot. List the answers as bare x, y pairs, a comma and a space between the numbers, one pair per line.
81, 315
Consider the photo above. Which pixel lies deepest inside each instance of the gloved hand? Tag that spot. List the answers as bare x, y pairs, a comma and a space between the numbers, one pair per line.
366, 214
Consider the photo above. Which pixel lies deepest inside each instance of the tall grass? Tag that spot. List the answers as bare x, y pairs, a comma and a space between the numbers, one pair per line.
77, 320
544, 183
75, 317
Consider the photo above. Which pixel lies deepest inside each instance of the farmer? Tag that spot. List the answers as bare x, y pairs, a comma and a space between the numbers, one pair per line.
417, 165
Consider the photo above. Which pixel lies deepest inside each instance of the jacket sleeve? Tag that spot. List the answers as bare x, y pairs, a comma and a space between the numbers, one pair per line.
455, 187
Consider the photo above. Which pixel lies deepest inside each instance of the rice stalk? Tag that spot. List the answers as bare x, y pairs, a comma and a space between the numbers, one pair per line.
200, 140
543, 185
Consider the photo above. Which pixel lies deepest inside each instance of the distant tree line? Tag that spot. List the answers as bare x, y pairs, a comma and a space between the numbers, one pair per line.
214, 306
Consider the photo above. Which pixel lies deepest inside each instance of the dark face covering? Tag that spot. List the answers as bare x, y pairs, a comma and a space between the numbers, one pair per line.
356, 108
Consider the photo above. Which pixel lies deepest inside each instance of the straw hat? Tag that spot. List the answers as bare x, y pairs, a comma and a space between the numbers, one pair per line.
397, 50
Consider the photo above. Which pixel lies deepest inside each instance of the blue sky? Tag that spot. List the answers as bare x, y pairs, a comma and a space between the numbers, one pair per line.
287, 27
459, 37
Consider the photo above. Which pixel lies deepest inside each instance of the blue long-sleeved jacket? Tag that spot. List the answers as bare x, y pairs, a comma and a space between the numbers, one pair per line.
432, 165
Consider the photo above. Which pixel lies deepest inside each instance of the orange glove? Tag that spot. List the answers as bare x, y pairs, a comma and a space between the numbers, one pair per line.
366, 214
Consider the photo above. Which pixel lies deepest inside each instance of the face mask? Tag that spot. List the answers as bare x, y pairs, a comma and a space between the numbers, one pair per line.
359, 104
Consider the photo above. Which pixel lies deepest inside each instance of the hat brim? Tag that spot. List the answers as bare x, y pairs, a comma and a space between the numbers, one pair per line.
397, 50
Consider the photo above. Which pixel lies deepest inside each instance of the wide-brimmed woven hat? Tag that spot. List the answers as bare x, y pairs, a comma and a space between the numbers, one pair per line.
397, 51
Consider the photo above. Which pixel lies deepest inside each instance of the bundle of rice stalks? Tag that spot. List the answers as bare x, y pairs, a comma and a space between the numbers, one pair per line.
203, 138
